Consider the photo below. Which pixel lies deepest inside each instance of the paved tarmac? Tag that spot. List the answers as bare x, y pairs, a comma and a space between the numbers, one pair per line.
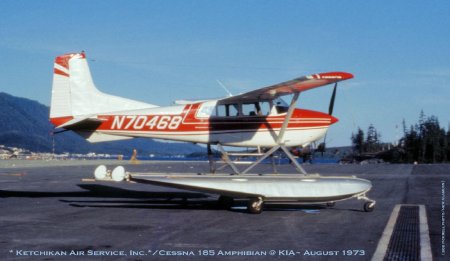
48, 213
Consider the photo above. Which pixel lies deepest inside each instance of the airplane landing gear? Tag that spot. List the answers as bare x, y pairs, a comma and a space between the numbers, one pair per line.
331, 204
369, 206
255, 205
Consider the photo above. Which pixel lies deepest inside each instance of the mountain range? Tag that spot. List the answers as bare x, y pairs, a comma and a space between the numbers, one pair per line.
24, 124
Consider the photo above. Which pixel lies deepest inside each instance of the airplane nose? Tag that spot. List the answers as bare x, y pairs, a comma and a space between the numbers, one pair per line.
333, 119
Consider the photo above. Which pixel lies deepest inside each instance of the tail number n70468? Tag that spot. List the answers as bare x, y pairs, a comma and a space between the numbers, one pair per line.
139, 122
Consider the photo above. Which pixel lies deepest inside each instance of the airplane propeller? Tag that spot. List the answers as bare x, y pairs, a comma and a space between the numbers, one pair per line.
333, 96
322, 146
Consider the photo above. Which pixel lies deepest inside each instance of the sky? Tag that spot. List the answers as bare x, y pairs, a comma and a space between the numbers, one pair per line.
161, 51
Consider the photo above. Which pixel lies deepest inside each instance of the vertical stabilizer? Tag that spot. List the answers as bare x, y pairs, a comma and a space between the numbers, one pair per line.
74, 94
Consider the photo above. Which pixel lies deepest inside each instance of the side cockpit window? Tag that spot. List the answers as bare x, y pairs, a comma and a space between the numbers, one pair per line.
226, 110
249, 109
256, 108
264, 108
244, 109
281, 106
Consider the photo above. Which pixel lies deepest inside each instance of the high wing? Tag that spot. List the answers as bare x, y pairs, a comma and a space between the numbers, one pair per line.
293, 86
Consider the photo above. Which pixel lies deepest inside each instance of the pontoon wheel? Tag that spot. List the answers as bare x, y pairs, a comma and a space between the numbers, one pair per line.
331, 204
255, 206
369, 206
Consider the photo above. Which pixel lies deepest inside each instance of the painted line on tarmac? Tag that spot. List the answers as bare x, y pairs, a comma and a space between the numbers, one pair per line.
425, 246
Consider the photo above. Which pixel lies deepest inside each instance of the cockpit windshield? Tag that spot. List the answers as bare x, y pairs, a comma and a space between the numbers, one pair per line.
280, 105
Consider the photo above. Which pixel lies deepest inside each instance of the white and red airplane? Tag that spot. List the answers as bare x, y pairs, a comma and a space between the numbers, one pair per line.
259, 118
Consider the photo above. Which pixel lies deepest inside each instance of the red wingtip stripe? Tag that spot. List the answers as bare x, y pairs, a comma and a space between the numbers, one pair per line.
334, 75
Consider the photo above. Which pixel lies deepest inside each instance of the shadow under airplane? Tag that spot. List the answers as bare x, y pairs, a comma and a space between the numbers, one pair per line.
101, 196
100, 191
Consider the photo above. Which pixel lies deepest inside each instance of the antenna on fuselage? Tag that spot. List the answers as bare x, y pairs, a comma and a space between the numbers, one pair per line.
225, 88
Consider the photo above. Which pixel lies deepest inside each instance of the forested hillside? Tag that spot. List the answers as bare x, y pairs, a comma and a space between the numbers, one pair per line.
24, 123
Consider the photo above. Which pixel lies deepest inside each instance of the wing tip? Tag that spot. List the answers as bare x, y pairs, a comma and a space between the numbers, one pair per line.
333, 75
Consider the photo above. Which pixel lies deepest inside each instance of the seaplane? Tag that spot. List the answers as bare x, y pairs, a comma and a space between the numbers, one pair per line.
258, 119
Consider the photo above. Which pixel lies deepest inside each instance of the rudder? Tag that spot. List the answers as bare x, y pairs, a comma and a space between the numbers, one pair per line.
74, 94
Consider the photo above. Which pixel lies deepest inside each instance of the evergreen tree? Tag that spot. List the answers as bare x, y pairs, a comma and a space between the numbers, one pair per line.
372, 140
426, 141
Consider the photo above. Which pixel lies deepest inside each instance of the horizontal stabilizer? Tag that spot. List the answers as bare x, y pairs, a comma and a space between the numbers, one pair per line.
93, 136
81, 123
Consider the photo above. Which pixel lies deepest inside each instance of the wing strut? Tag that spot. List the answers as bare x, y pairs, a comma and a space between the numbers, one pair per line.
212, 166
262, 157
280, 141
280, 137
227, 159
280, 145
293, 160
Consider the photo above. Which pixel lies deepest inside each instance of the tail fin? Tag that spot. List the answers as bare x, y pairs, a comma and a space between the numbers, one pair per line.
74, 94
